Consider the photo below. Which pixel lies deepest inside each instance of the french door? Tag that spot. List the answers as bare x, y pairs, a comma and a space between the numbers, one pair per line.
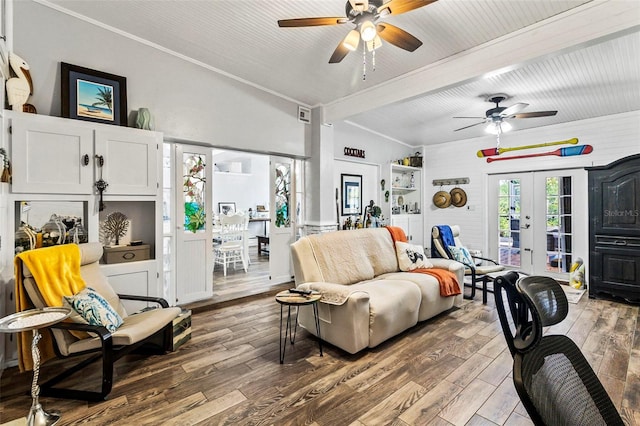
194, 253
283, 213
538, 220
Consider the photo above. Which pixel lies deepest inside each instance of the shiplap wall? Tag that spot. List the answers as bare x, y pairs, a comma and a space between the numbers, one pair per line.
612, 138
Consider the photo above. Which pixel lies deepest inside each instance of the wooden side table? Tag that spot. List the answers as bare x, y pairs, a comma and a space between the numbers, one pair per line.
34, 319
285, 298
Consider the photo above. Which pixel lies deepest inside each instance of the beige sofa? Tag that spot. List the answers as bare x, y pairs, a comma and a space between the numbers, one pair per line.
366, 298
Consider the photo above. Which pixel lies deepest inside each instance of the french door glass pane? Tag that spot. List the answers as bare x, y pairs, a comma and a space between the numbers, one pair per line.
283, 195
558, 220
509, 222
195, 215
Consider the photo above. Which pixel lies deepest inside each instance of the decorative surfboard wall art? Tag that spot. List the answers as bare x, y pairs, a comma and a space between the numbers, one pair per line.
569, 151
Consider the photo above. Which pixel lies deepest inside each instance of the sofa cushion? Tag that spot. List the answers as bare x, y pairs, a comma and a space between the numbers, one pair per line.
411, 256
431, 302
347, 257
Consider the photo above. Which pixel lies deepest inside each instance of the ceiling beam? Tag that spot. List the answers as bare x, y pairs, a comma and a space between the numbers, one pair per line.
588, 24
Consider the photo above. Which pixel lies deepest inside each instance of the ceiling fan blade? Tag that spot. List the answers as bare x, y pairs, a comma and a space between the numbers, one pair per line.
472, 125
359, 5
396, 7
513, 109
535, 114
311, 22
398, 37
477, 118
339, 54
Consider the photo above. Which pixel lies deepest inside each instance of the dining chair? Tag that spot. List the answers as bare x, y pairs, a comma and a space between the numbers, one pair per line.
232, 247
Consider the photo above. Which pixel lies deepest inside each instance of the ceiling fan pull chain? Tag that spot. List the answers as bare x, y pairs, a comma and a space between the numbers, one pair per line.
373, 55
364, 61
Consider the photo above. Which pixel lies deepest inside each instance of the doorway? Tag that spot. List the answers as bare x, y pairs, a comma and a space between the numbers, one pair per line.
537, 220
242, 182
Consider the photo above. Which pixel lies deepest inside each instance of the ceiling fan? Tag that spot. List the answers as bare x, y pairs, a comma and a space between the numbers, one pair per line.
497, 118
364, 14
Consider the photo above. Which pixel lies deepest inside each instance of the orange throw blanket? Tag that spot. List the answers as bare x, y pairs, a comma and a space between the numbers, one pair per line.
447, 280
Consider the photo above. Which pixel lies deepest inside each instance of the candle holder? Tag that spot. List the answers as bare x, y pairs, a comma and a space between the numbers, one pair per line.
35, 319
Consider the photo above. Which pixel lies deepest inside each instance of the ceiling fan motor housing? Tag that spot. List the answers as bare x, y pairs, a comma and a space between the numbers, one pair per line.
352, 13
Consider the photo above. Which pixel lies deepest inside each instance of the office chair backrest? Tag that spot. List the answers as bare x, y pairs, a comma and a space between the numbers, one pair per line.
515, 323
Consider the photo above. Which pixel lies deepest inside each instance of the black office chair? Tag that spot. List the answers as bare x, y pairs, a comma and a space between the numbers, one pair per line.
554, 381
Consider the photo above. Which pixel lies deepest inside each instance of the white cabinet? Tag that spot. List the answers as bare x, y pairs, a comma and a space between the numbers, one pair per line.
412, 226
62, 156
55, 164
406, 201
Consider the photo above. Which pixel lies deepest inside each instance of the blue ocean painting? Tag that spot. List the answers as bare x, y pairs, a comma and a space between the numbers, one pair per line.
95, 100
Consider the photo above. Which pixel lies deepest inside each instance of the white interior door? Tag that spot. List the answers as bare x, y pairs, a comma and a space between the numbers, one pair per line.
534, 221
194, 239
283, 218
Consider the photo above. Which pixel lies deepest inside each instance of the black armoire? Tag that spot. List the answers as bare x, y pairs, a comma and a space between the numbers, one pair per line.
614, 229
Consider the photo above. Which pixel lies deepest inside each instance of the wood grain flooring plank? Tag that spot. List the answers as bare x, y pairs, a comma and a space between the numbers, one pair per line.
392, 406
499, 406
499, 369
468, 371
478, 420
494, 347
425, 409
465, 404
631, 396
204, 411
516, 419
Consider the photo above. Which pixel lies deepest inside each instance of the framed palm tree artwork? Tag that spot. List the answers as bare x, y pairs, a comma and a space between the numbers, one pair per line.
93, 95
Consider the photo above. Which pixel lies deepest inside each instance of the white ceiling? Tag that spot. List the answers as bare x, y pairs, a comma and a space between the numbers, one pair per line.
241, 38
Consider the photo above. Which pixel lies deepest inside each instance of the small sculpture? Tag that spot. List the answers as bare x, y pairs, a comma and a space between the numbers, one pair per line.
115, 226
20, 87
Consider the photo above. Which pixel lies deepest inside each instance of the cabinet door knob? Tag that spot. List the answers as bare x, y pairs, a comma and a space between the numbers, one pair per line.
85, 160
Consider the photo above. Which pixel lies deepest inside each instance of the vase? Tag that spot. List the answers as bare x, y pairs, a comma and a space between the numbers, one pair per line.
144, 119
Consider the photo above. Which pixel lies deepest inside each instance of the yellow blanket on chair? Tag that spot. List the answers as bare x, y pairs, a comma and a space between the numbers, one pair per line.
56, 271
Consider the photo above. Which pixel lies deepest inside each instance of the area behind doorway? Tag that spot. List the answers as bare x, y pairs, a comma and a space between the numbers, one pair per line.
241, 179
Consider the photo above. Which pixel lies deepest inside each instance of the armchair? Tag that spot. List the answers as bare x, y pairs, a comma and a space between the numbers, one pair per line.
149, 329
446, 243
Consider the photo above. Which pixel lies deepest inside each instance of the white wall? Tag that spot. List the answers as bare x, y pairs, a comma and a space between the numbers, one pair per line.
187, 101
612, 137
246, 189
370, 182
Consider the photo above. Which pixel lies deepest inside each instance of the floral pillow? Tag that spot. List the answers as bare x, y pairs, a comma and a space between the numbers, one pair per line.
461, 254
411, 256
94, 309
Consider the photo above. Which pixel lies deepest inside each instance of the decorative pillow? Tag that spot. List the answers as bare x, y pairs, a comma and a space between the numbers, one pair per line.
411, 256
77, 318
95, 309
461, 254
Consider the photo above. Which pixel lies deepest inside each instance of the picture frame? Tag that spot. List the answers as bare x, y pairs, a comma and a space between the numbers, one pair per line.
351, 194
226, 208
93, 95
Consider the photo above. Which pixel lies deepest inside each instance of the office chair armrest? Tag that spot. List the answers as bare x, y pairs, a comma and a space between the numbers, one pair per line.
159, 300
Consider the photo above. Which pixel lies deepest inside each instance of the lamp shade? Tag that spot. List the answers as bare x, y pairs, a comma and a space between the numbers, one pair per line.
352, 40
498, 127
368, 31
374, 44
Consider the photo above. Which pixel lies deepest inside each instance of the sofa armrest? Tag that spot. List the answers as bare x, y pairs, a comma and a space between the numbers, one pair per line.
450, 265
335, 294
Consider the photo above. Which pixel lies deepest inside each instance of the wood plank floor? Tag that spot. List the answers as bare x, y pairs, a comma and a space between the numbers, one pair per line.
453, 369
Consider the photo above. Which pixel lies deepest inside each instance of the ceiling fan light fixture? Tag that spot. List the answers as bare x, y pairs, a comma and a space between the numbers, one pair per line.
352, 40
498, 127
374, 44
368, 31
